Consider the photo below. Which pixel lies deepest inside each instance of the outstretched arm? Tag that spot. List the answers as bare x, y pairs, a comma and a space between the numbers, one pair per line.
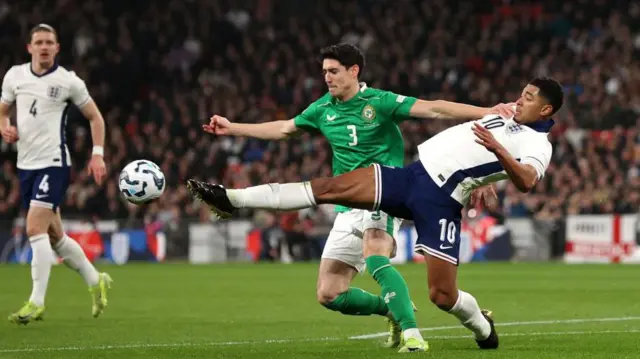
274, 130
440, 109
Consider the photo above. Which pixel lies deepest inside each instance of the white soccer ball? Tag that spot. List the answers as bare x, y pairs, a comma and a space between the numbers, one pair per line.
141, 181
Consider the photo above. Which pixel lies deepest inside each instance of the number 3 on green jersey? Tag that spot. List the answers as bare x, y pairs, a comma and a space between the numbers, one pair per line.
362, 130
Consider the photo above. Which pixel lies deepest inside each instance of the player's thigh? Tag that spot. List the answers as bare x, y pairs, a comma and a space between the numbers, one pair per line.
354, 189
438, 228
38, 220
394, 186
344, 243
43, 192
380, 230
47, 187
341, 257
27, 180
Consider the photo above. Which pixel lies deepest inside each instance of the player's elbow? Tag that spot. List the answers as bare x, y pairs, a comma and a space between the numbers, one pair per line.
526, 185
425, 109
524, 188
287, 130
526, 179
4, 110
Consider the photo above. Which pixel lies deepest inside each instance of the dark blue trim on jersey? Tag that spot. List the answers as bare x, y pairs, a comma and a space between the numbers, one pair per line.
51, 70
541, 126
483, 170
63, 137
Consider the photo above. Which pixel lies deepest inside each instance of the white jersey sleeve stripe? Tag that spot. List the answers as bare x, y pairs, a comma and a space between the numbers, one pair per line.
536, 163
483, 170
63, 137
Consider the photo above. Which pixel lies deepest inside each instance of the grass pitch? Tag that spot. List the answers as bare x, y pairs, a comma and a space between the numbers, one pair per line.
269, 311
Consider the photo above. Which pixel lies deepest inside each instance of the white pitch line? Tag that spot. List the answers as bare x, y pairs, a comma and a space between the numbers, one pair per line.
510, 324
360, 337
168, 345
540, 334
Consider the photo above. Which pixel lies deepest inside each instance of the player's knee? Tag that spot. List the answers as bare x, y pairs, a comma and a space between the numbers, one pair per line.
377, 243
324, 189
326, 296
55, 235
38, 221
442, 297
35, 227
328, 189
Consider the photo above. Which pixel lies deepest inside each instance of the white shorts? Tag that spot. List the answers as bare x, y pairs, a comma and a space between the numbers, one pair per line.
345, 239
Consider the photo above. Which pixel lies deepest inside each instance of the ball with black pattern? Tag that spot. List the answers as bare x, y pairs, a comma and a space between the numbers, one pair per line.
141, 181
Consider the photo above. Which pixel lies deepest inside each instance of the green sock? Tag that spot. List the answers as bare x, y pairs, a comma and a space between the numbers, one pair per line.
356, 301
394, 290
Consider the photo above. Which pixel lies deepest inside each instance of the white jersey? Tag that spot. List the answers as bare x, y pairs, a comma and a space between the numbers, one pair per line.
41, 104
458, 164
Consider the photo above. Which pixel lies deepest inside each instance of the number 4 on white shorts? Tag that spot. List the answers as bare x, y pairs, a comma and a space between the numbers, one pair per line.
44, 184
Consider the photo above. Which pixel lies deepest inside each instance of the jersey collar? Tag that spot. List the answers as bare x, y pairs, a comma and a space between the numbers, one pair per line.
51, 69
541, 126
363, 88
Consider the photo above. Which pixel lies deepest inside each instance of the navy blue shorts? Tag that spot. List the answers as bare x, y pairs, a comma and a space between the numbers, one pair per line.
45, 187
410, 193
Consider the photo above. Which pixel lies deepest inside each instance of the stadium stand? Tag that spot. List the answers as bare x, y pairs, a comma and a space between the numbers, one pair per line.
158, 71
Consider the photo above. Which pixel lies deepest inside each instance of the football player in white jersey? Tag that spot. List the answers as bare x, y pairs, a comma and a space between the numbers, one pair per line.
454, 164
42, 91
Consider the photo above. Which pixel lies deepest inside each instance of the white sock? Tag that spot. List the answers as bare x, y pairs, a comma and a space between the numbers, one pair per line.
40, 267
74, 257
468, 312
412, 333
286, 196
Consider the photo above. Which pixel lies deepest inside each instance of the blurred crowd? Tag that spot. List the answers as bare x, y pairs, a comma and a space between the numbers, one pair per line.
159, 70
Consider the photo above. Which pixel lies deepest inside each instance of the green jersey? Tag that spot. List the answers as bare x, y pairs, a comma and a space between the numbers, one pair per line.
361, 131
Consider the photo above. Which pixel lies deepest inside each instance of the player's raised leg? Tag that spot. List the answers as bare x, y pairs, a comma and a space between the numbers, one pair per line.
355, 189
38, 220
74, 257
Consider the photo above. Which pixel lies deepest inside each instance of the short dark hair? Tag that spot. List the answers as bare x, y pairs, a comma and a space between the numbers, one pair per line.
42, 28
551, 90
346, 54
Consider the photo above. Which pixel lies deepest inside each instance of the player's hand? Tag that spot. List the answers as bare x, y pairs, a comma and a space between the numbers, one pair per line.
485, 194
97, 168
505, 110
485, 138
10, 134
218, 125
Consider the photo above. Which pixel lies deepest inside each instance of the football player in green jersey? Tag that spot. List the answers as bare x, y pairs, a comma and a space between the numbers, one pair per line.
361, 126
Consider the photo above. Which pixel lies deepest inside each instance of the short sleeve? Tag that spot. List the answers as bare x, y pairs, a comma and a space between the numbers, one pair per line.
537, 153
308, 119
78, 92
397, 107
8, 90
